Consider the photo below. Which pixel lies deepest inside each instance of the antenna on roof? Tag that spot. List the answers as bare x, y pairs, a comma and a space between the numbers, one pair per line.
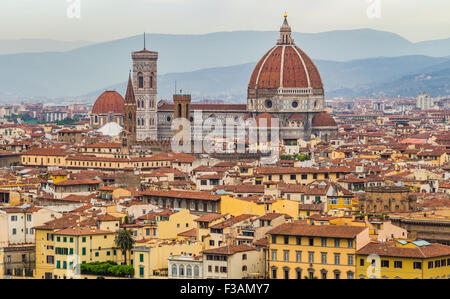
144, 40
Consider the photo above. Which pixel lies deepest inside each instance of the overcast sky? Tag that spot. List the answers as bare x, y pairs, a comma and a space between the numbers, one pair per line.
101, 20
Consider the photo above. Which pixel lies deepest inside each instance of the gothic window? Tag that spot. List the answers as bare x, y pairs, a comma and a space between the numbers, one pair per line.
181, 270
130, 116
189, 270
196, 271
174, 270
151, 81
141, 80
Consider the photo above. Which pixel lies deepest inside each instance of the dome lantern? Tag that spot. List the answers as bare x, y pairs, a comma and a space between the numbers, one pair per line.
285, 33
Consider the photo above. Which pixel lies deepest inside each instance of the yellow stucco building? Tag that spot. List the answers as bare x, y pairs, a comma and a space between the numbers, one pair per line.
403, 259
298, 251
238, 206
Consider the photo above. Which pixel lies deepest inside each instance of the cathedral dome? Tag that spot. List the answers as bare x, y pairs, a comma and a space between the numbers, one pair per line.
323, 119
109, 102
285, 66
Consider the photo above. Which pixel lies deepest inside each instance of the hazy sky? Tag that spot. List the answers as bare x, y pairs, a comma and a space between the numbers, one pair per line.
102, 20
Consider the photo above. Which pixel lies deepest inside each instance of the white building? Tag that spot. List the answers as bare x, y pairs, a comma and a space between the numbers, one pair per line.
233, 262
185, 266
424, 102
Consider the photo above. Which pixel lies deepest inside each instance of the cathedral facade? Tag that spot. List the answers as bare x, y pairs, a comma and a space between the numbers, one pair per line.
285, 84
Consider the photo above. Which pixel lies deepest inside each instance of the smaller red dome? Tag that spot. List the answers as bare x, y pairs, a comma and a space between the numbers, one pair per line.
296, 116
267, 117
109, 101
323, 119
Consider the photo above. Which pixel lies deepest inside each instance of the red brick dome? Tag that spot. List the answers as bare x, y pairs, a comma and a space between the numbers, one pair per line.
323, 119
109, 101
285, 66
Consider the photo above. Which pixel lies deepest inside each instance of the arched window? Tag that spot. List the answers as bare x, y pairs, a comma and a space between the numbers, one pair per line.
244, 268
96, 119
174, 270
151, 80
189, 270
337, 274
138, 122
130, 116
141, 80
196, 271
181, 270
298, 271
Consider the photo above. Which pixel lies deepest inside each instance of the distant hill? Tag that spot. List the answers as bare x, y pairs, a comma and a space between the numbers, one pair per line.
367, 77
82, 70
13, 46
433, 80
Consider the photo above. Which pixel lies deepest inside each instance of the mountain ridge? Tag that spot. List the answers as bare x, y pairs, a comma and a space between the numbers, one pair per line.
82, 70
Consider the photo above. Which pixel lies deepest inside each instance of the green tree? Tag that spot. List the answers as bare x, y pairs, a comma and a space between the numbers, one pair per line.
125, 241
303, 157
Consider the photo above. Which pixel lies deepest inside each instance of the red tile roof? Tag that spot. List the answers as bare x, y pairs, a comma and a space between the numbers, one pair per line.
182, 194
229, 250
296, 229
390, 249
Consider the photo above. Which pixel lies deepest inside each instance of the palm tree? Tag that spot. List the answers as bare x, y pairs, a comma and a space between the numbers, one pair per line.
125, 241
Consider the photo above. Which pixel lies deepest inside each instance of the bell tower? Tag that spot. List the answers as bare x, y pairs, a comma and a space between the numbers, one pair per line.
130, 113
146, 93
182, 103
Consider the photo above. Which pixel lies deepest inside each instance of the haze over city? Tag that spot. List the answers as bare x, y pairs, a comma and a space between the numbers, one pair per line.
224, 148
103, 20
